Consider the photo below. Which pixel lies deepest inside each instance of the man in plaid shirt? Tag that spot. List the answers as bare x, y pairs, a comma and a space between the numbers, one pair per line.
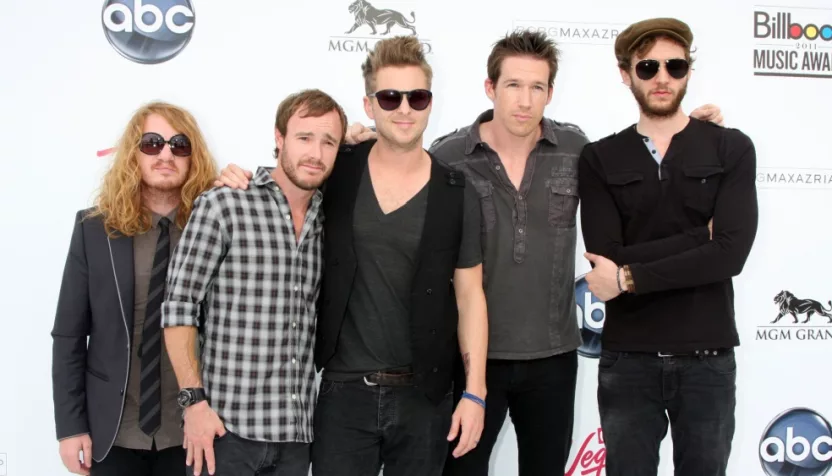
247, 273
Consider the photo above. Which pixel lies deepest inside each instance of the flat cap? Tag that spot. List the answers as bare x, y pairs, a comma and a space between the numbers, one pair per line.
633, 34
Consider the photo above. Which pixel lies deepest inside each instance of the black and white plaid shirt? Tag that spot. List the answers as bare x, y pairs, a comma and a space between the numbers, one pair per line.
238, 264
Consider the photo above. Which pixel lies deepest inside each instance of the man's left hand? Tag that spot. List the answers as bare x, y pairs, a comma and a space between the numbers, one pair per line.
603, 279
471, 417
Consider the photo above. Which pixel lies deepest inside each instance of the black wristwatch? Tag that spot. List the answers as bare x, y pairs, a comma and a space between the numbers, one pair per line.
190, 396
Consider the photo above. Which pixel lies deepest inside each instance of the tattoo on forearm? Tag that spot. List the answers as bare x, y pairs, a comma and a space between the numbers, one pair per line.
466, 360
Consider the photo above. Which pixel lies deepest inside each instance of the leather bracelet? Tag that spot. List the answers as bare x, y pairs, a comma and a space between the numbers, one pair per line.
628, 279
472, 397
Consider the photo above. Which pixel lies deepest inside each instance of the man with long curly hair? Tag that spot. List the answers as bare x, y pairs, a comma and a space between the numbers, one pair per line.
115, 392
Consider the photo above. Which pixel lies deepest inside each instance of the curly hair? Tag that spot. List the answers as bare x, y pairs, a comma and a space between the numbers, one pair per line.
119, 201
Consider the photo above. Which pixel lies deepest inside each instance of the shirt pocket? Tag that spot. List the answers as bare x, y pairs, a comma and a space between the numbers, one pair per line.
563, 201
485, 190
700, 185
627, 189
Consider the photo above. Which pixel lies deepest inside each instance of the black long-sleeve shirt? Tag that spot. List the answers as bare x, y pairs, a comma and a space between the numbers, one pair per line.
653, 216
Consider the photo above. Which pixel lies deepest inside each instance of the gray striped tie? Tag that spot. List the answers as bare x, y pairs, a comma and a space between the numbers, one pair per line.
150, 415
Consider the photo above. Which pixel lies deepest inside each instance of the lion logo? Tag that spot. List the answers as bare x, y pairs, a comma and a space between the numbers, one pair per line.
366, 14
794, 306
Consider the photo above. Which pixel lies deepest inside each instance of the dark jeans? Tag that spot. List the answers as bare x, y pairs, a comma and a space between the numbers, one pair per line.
236, 456
539, 395
639, 393
127, 462
360, 427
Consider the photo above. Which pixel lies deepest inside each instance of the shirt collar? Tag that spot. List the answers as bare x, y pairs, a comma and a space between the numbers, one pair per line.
155, 217
263, 177
473, 138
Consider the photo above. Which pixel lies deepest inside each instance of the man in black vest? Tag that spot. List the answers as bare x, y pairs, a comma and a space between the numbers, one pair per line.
114, 389
403, 282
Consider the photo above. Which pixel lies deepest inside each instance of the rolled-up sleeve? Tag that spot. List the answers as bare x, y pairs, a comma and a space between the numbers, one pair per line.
195, 263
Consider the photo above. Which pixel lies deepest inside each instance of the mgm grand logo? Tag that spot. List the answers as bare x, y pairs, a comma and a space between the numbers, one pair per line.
796, 318
379, 22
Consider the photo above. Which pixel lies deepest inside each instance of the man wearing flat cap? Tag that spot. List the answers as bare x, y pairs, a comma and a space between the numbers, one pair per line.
669, 216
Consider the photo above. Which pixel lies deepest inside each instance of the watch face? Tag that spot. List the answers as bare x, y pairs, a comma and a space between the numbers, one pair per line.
184, 398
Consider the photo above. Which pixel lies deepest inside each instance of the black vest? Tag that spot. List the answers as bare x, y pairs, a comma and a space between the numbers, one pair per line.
433, 310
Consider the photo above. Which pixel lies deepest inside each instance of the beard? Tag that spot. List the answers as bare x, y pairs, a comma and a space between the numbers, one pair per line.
658, 112
156, 184
291, 171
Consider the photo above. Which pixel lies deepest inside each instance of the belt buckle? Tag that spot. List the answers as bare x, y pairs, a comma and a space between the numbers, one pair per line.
663, 354
370, 384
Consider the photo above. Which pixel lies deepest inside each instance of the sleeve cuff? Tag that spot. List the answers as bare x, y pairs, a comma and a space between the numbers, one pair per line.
180, 314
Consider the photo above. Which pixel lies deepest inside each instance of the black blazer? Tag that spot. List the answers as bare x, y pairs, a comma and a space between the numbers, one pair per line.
91, 335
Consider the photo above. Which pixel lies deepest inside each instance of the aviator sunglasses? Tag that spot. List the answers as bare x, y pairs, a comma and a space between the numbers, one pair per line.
391, 99
677, 68
153, 143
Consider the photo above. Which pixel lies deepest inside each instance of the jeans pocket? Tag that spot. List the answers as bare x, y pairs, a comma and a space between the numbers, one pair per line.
724, 364
327, 386
608, 360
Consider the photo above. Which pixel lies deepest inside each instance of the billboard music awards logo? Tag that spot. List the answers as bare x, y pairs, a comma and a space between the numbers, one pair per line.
798, 442
798, 319
577, 33
591, 313
591, 458
793, 42
367, 19
148, 31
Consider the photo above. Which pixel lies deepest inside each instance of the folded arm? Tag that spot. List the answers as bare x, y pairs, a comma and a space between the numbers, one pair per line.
602, 229
735, 228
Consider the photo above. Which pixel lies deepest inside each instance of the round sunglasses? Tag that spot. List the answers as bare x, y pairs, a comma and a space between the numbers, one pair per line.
153, 143
391, 99
677, 68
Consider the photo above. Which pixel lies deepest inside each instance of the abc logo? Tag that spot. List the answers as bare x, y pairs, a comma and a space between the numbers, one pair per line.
798, 442
591, 316
149, 31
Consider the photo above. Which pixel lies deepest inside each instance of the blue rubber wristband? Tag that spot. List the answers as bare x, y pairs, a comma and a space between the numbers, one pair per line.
473, 397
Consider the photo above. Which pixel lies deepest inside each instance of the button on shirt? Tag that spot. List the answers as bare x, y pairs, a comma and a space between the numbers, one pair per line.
529, 238
240, 274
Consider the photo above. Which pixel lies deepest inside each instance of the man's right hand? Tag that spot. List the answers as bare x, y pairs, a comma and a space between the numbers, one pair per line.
70, 449
357, 132
234, 177
202, 424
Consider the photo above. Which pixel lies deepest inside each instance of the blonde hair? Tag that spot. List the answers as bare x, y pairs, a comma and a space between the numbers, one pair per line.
119, 201
395, 51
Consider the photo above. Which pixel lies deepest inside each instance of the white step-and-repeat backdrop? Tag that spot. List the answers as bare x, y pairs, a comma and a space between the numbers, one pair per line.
73, 72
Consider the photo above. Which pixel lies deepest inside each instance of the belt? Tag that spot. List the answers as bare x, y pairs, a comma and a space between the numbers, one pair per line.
398, 378
694, 353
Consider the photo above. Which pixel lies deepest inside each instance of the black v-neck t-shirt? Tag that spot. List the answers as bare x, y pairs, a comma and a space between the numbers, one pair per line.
376, 330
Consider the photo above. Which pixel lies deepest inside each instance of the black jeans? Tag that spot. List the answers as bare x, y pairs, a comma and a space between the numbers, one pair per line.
236, 456
359, 428
128, 462
638, 394
539, 395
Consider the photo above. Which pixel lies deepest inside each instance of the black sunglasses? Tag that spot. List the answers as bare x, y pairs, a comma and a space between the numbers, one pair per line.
391, 99
677, 68
153, 143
